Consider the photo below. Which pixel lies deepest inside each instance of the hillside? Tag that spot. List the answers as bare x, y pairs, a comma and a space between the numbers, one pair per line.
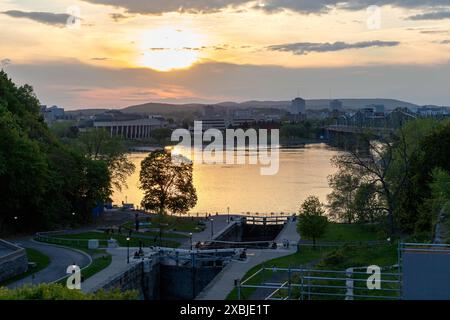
314, 104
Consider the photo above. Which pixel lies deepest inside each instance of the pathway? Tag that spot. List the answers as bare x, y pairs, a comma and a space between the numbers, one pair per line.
60, 259
223, 283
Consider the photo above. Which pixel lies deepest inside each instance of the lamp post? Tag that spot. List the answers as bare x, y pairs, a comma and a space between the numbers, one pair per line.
190, 237
228, 210
212, 228
128, 249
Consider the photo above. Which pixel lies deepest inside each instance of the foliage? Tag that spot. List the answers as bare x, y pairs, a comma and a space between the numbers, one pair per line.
342, 197
432, 152
167, 183
312, 222
36, 168
439, 198
98, 144
60, 292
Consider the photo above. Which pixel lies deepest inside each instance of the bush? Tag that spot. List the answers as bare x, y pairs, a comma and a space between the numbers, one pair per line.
60, 292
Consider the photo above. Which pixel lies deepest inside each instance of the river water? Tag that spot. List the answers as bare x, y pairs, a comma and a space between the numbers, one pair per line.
302, 172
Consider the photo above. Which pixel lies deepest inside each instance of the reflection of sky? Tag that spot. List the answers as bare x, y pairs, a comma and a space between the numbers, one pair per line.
303, 172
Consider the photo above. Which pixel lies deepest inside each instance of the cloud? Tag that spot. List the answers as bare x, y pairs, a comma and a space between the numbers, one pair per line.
445, 41
94, 85
303, 48
49, 18
117, 17
302, 6
99, 59
436, 15
5, 62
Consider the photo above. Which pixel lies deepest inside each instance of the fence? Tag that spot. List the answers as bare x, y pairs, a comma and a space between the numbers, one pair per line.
310, 284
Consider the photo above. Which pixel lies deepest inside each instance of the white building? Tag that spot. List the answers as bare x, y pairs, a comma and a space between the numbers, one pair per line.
131, 129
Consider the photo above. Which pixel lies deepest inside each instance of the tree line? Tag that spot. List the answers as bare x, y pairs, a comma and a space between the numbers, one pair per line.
400, 182
47, 181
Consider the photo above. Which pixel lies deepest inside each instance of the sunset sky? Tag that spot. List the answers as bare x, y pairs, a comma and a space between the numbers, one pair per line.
116, 53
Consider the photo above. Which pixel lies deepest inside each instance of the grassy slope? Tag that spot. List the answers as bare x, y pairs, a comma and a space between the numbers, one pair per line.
302, 257
351, 232
332, 258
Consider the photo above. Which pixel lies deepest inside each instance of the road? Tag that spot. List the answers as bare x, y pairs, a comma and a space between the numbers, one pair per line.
60, 259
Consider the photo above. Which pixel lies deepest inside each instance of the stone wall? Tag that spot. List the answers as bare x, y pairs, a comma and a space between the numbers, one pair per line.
155, 280
142, 276
14, 262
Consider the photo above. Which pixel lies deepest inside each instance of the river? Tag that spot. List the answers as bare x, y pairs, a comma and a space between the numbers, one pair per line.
302, 172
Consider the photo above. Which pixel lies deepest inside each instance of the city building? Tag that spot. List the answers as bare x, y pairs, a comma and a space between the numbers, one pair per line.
52, 114
298, 106
131, 129
431, 111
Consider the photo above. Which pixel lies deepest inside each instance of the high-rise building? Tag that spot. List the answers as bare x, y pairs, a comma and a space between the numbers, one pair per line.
298, 106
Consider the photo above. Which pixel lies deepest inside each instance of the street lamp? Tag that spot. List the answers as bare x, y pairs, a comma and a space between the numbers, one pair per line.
190, 236
128, 249
228, 219
212, 228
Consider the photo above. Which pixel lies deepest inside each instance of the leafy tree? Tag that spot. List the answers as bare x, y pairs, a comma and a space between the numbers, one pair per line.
42, 181
373, 163
341, 199
167, 184
312, 222
98, 144
366, 204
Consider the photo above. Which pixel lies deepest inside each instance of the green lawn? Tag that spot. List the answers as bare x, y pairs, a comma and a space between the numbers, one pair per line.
173, 223
296, 260
41, 260
121, 239
100, 261
352, 232
330, 258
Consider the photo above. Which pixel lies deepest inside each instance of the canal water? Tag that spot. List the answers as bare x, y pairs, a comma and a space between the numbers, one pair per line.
302, 172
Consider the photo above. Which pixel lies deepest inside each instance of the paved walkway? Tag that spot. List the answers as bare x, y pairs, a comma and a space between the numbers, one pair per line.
118, 264
60, 259
223, 283
219, 223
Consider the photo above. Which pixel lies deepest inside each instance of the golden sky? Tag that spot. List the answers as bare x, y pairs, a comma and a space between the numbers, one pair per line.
201, 50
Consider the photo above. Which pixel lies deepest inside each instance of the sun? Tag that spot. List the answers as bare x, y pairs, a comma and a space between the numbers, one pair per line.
167, 49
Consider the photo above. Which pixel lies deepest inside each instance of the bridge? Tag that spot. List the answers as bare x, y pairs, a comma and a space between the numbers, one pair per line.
347, 136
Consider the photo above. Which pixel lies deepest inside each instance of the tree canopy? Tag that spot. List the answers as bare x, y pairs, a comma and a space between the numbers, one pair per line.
42, 181
312, 222
167, 183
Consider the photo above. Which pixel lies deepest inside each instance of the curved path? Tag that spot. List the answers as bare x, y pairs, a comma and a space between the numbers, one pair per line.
60, 259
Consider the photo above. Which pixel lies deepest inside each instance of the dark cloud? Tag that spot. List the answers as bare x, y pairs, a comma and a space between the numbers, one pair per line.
436, 15
213, 82
303, 6
445, 41
302, 48
99, 59
55, 19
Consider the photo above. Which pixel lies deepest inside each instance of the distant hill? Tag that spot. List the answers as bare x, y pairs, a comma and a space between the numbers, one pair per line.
313, 104
164, 108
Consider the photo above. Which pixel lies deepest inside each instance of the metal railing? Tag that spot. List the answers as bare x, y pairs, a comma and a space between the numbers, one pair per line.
311, 284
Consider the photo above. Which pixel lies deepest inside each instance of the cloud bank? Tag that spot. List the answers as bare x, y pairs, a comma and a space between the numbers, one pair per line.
49, 18
302, 6
303, 48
